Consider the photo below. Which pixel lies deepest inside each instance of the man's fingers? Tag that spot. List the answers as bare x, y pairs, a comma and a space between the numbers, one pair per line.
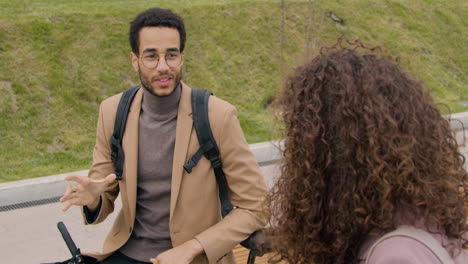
68, 195
63, 198
109, 179
75, 194
67, 205
73, 200
76, 178
155, 260
68, 191
83, 180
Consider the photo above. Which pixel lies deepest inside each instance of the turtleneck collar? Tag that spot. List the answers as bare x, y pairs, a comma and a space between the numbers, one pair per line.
161, 107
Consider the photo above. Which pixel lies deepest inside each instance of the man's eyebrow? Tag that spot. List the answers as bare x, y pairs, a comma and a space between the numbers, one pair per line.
150, 50
156, 50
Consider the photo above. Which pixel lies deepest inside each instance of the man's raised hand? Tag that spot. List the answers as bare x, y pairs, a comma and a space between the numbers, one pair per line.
86, 192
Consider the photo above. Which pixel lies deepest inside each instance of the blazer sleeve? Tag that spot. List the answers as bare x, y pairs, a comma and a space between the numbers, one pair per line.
102, 163
247, 190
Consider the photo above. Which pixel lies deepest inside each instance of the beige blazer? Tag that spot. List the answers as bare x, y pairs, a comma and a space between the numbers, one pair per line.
194, 206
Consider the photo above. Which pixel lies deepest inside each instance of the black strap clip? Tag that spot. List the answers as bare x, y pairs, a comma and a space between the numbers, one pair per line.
216, 163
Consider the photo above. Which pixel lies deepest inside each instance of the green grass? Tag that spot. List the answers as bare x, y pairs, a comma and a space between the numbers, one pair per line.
60, 59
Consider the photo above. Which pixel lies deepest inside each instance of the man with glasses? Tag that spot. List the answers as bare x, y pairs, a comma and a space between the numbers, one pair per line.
168, 215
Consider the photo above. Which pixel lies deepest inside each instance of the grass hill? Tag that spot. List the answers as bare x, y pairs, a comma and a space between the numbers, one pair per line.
60, 59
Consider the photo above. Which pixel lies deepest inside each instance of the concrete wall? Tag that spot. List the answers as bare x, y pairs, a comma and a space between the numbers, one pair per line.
266, 153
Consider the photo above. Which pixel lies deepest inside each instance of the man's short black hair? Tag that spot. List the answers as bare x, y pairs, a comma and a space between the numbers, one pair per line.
155, 17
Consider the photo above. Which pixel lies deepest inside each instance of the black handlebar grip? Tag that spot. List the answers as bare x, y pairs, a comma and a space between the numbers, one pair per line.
68, 240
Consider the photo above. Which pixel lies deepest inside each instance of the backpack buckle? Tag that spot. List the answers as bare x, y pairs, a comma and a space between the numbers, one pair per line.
189, 166
216, 163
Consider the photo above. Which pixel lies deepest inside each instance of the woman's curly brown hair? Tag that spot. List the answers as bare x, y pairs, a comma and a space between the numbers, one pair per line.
363, 139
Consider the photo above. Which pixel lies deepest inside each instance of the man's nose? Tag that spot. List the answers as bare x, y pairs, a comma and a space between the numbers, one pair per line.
162, 64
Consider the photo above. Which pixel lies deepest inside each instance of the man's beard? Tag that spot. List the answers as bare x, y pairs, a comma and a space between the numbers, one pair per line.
147, 85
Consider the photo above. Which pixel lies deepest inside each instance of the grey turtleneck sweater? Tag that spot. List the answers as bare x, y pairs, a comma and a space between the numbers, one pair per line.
156, 143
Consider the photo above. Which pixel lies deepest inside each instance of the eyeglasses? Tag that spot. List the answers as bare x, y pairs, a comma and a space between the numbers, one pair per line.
151, 60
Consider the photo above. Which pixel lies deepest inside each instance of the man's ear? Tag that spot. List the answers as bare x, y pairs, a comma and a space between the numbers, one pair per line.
183, 61
134, 59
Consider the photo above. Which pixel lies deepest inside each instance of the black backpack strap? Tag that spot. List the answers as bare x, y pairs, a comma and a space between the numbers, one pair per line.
210, 150
117, 155
208, 146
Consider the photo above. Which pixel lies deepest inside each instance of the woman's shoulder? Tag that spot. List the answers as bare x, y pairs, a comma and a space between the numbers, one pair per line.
412, 246
401, 249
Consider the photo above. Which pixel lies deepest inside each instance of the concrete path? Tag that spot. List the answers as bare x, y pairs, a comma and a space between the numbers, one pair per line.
30, 235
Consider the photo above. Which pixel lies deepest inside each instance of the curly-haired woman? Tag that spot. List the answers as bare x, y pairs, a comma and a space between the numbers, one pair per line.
366, 153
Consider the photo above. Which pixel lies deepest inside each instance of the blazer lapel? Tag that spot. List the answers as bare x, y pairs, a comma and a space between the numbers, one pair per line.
183, 132
130, 146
